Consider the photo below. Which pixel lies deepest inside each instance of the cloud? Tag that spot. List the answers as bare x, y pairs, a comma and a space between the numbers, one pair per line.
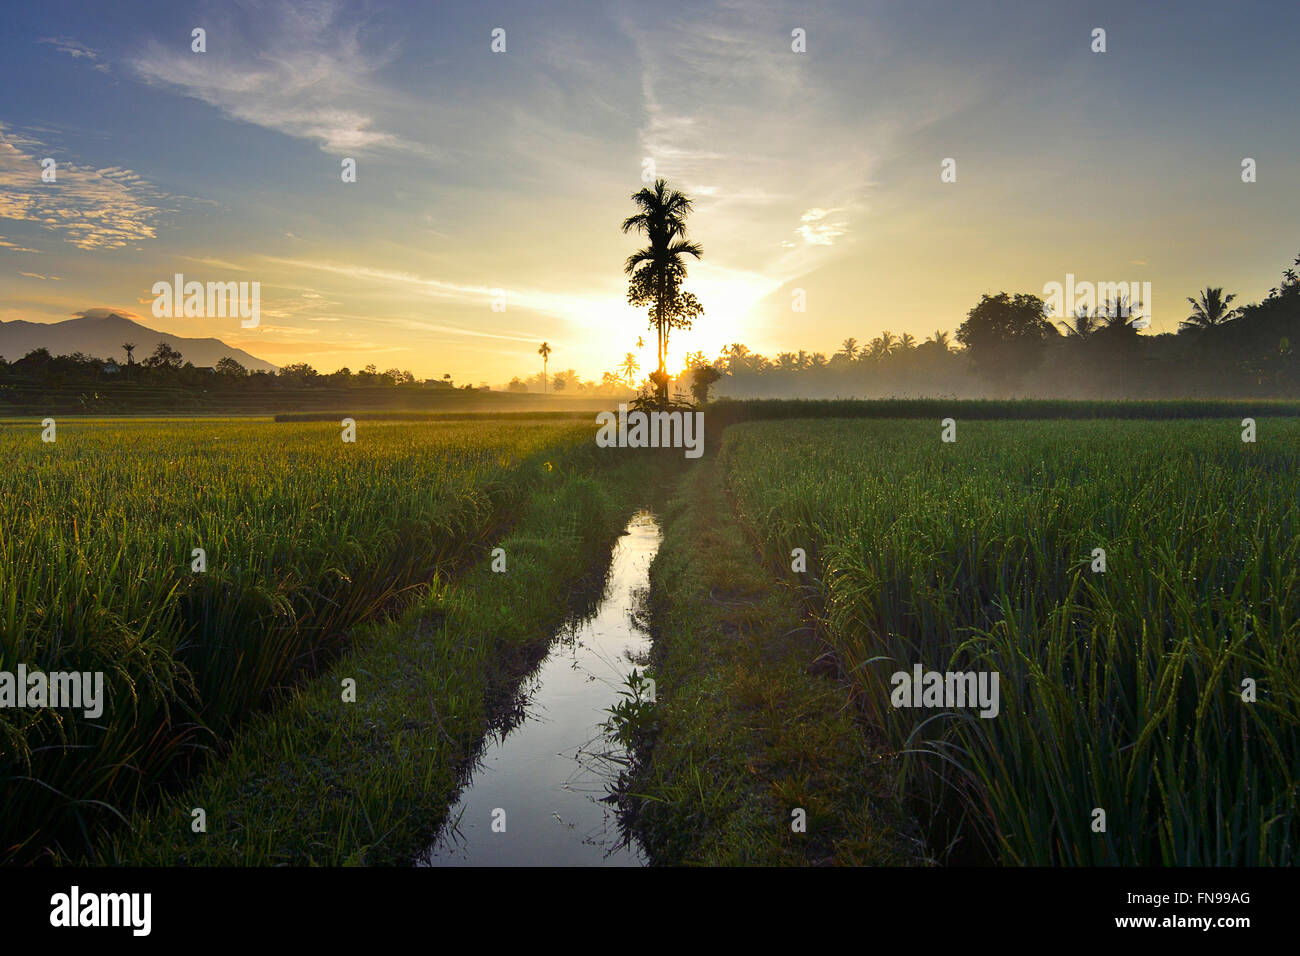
37, 275
102, 313
76, 50
91, 208
13, 246
303, 72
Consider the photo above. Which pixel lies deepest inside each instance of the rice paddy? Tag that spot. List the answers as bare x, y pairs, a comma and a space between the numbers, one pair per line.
203, 567
1150, 711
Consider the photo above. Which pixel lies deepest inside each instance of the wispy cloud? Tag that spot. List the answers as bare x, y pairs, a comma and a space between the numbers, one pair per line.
817, 230
303, 71
90, 208
76, 50
14, 247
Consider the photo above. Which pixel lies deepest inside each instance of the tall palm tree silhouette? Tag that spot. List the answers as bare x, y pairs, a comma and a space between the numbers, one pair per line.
130, 348
662, 218
545, 352
1211, 311
850, 348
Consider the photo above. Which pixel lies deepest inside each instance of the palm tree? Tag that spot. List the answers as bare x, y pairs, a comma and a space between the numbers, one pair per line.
907, 342
130, 347
1083, 325
630, 366
545, 352
1212, 311
663, 220
1120, 313
849, 348
887, 343
940, 339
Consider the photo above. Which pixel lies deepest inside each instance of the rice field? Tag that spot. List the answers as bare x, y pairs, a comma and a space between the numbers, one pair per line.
1162, 691
302, 535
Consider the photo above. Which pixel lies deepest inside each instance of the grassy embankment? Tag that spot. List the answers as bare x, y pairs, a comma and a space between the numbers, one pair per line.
324, 781
305, 537
1124, 690
749, 722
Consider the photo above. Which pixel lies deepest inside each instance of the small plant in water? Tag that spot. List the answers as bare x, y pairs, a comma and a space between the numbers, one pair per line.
631, 719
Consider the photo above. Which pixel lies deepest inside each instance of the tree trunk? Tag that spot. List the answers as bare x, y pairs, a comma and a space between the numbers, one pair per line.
661, 386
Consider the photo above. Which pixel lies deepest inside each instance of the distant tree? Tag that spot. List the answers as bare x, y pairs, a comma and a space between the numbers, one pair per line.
544, 350
130, 350
516, 385
907, 342
38, 358
164, 356
702, 376
298, 373
229, 367
849, 348
1290, 283
696, 359
1006, 336
1081, 326
1211, 311
630, 366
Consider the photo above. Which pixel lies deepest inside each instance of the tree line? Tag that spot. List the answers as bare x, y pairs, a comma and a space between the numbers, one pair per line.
1009, 345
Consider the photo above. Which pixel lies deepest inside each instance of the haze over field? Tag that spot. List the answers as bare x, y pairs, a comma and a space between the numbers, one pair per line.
480, 171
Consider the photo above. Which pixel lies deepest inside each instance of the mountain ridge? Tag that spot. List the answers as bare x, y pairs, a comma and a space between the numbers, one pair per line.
102, 336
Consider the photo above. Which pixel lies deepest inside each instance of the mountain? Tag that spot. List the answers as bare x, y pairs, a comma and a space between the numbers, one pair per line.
101, 334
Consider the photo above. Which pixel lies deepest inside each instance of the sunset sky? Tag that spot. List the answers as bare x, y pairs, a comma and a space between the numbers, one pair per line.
480, 171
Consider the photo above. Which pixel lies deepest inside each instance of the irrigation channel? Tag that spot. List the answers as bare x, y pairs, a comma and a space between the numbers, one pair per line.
547, 778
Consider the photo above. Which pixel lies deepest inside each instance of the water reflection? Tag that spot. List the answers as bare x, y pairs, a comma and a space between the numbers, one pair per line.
547, 764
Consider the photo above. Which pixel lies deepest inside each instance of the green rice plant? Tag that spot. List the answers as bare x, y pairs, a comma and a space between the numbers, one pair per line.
305, 536
1120, 690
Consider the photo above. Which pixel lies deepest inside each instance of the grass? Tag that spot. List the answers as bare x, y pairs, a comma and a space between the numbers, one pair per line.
322, 781
1121, 690
746, 726
305, 537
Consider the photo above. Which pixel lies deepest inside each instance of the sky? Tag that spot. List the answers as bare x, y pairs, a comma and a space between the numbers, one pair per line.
490, 186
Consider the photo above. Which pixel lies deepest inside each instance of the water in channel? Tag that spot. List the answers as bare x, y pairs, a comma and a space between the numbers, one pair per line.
552, 771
